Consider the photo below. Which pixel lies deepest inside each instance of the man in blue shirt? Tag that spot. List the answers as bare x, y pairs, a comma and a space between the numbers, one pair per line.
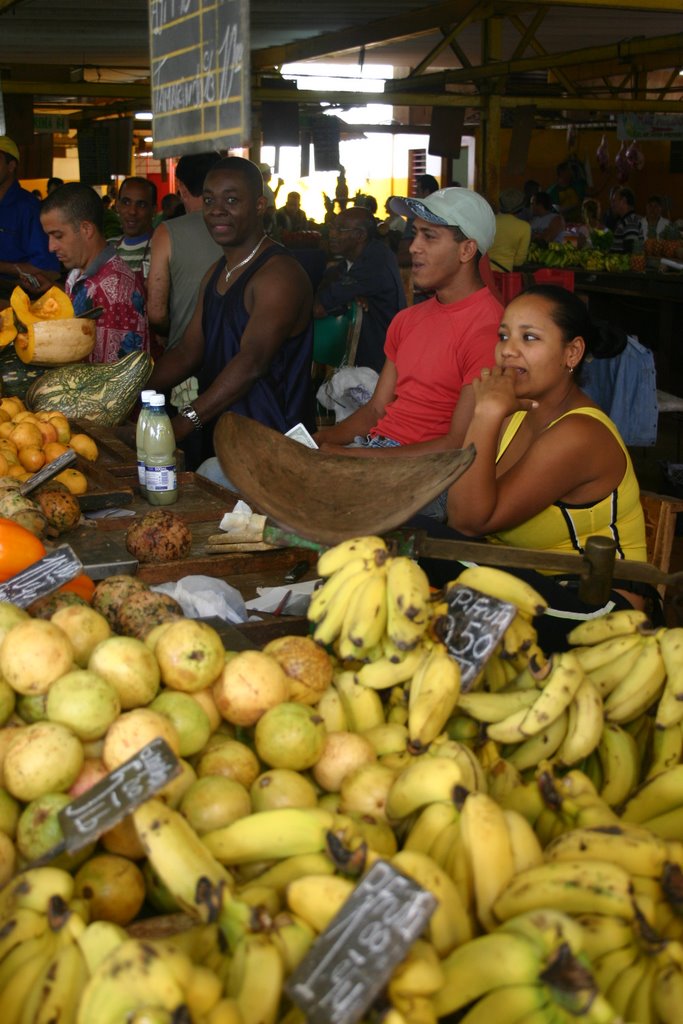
367, 271
24, 255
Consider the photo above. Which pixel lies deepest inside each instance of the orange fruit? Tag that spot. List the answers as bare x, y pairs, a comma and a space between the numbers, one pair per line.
4, 465
4, 416
17, 471
52, 449
24, 415
84, 445
32, 458
76, 481
6, 429
113, 886
7, 445
11, 405
61, 425
26, 434
48, 430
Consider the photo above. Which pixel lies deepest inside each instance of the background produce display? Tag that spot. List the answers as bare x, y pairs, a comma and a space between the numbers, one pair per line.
543, 808
45, 331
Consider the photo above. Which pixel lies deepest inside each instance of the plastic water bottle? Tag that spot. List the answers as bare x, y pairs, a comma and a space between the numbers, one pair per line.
145, 397
161, 478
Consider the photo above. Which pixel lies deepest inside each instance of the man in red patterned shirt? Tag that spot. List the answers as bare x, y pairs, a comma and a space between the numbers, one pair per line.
72, 217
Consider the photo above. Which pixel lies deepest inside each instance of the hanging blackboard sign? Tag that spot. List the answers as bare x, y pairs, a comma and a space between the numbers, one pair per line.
352, 960
473, 627
199, 56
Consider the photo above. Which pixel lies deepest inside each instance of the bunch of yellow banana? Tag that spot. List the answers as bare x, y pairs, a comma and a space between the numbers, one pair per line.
350, 608
657, 804
530, 969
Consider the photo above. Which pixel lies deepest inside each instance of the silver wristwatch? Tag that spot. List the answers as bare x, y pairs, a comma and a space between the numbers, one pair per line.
188, 412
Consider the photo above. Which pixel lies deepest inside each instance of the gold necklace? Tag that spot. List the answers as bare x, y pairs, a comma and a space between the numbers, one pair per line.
229, 273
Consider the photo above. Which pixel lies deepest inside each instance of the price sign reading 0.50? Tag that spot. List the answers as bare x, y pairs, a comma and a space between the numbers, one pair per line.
475, 624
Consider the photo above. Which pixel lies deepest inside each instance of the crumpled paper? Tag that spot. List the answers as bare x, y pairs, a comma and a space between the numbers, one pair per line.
270, 598
204, 596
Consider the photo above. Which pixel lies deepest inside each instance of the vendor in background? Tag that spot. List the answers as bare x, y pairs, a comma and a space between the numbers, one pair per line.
551, 468
590, 220
628, 229
25, 257
547, 225
513, 235
568, 192
291, 217
136, 205
654, 222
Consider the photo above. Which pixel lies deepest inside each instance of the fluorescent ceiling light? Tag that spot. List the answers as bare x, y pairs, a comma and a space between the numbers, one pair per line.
144, 115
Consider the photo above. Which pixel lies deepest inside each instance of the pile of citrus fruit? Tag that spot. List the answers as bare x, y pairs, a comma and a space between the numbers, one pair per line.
28, 441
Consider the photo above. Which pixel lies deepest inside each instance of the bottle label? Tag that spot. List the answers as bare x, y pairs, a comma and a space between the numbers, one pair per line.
161, 478
141, 472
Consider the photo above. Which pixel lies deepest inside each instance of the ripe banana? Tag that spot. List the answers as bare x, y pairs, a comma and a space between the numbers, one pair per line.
20, 972
635, 850
595, 656
518, 638
494, 707
270, 835
424, 781
488, 849
420, 974
327, 594
57, 991
433, 695
390, 671
542, 746
279, 876
618, 757
329, 627
331, 710
631, 697
33, 889
316, 899
524, 845
256, 978
366, 616
603, 933
607, 676
408, 602
667, 994
22, 926
293, 938
334, 559
473, 775
670, 707
182, 860
575, 887
559, 689
450, 925
666, 748
606, 627
503, 586
656, 796
98, 940
362, 706
584, 724
486, 963
511, 1004
429, 825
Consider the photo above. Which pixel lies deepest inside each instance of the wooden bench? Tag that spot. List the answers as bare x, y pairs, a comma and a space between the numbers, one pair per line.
660, 512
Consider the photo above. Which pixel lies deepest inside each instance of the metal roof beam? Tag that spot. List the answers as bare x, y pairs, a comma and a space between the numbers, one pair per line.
521, 28
397, 27
129, 90
477, 11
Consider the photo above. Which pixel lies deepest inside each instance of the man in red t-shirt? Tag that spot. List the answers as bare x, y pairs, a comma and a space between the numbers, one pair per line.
423, 396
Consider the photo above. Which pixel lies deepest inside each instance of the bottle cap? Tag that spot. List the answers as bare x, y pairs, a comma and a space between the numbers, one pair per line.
146, 395
157, 401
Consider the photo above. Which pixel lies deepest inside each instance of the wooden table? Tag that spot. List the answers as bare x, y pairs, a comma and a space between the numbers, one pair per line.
201, 504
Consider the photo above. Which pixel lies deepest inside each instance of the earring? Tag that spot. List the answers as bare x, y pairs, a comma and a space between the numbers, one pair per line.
571, 369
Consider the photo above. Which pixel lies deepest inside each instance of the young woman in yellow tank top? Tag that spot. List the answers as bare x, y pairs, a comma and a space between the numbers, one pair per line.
551, 468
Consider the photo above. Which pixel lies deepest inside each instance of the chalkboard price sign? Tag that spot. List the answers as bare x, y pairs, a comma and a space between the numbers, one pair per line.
352, 960
42, 578
474, 626
199, 56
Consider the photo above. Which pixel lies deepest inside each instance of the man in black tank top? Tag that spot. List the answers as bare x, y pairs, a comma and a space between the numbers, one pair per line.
250, 339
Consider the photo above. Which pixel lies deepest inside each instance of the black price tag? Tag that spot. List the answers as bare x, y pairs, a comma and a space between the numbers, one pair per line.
42, 578
109, 801
351, 961
474, 627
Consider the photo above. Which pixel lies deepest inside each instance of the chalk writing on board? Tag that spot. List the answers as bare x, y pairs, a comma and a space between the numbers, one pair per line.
199, 57
472, 628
